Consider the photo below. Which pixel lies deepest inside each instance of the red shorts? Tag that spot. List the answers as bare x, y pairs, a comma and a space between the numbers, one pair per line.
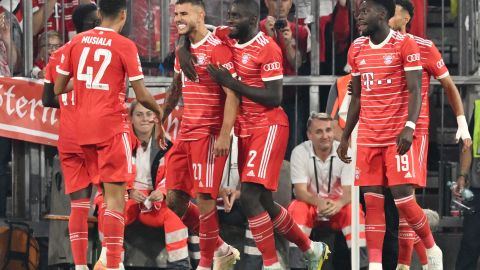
193, 168
382, 166
74, 171
421, 143
110, 160
260, 156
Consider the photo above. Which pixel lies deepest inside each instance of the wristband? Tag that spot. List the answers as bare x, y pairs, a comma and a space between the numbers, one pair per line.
410, 124
462, 121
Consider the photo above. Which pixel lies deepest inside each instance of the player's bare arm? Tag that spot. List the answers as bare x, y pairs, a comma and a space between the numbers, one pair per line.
414, 85
49, 99
186, 58
352, 119
61, 84
270, 96
147, 100
174, 93
457, 106
232, 102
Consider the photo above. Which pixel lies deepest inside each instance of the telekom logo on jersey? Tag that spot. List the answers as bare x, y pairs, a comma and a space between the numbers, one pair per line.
368, 80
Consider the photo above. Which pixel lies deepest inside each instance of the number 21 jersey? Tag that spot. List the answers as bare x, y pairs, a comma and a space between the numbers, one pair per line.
99, 60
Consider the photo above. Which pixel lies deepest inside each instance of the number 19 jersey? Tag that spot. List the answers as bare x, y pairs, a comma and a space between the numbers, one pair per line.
384, 95
99, 60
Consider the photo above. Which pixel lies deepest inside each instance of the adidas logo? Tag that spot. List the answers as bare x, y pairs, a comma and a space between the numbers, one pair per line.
363, 62
408, 175
251, 173
200, 184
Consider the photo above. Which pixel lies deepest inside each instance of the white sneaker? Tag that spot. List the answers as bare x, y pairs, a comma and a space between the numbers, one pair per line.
225, 262
276, 266
435, 258
402, 267
375, 266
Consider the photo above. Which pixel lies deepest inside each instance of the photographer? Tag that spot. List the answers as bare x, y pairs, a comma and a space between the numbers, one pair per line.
292, 39
470, 246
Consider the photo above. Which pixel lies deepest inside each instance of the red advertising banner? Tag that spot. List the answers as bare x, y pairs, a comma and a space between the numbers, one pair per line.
23, 117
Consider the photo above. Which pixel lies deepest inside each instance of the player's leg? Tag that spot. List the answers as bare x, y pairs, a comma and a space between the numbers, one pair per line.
305, 216
115, 169
370, 176
179, 185
406, 237
404, 174
78, 187
421, 252
250, 155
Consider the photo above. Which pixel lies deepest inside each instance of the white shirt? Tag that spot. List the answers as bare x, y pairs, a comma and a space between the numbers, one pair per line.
303, 172
143, 178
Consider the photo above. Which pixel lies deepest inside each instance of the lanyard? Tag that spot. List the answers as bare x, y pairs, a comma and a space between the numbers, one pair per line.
329, 173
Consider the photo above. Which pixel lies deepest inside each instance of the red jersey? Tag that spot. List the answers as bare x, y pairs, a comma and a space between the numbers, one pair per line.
433, 65
67, 141
256, 61
204, 101
384, 96
302, 36
99, 60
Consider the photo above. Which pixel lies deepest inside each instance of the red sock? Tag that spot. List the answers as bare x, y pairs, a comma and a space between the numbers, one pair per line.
284, 225
416, 218
191, 218
262, 231
208, 237
78, 229
420, 250
374, 225
113, 227
405, 242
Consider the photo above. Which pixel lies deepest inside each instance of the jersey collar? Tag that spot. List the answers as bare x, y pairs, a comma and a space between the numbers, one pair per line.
104, 29
200, 43
244, 45
379, 46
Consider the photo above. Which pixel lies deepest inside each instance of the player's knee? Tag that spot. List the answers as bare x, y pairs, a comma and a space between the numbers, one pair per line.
177, 201
402, 191
372, 189
250, 201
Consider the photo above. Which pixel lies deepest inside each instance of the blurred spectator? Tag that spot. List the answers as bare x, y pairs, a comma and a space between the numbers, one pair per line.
11, 60
293, 40
322, 186
469, 176
48, 42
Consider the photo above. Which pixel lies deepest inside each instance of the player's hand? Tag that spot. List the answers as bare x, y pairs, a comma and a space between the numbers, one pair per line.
342, 151
349, 88
269, 25
219, 74
222, 146
160, 132
229, 196
137, 196
461, 182
187, 63
404, 140
463, 133
156, 196
332, 208
287, 34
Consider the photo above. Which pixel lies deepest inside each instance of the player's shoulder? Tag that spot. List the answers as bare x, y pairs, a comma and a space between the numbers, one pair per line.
213, 40
359, 42
265, 41
222, 32
422, 42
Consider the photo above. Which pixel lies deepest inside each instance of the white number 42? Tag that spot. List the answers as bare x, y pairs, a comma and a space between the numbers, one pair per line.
91, 81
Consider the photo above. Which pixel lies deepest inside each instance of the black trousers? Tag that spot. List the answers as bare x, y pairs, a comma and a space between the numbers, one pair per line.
5, 157
470, 246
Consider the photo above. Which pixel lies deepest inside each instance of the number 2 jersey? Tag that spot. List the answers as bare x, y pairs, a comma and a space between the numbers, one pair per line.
384, 95
256, 61
99, 60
